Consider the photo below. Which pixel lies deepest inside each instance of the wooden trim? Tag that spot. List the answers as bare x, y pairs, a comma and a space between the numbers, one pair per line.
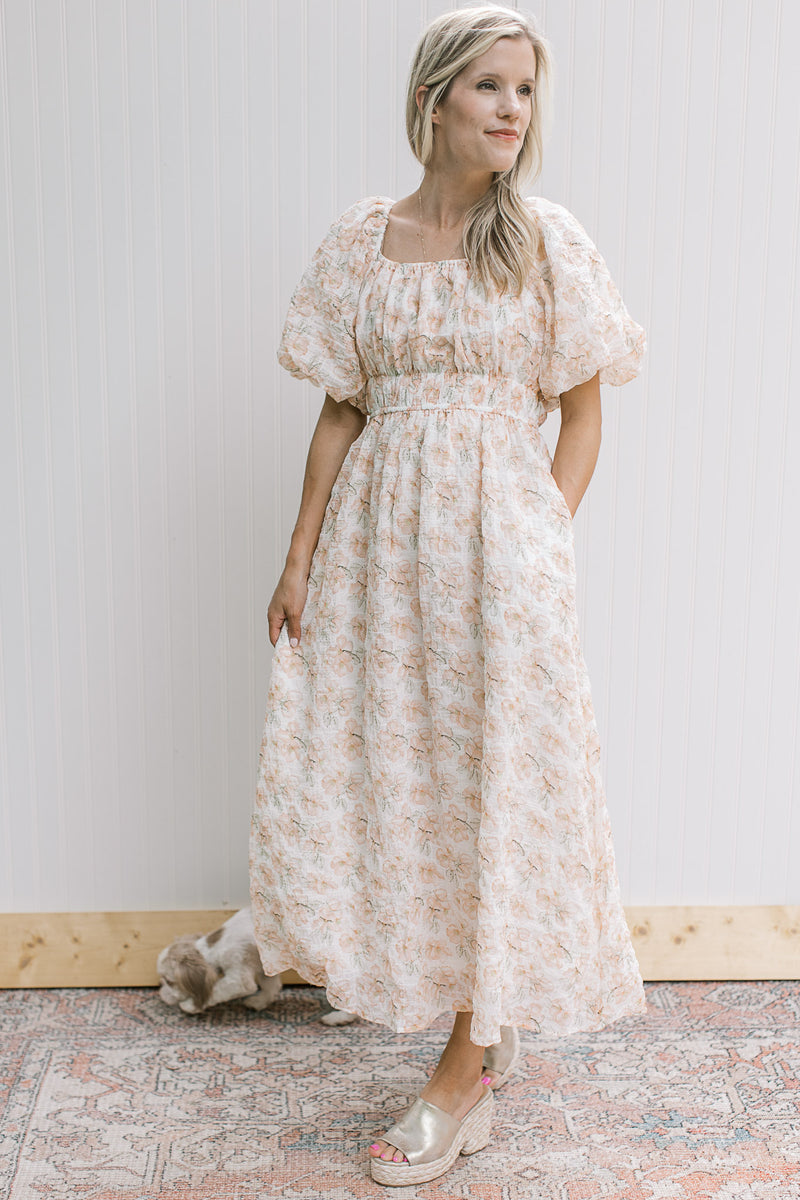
96, 949
685, 942
119, 949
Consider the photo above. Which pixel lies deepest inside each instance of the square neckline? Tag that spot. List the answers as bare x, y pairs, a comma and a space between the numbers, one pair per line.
389, 204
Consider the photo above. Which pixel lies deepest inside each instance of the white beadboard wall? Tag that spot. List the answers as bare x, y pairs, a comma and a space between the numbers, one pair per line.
168, 167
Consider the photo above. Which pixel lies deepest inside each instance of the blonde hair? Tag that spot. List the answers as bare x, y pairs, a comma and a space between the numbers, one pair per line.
501, 237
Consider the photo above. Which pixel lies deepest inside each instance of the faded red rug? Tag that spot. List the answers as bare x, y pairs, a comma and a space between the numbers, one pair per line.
108, 1094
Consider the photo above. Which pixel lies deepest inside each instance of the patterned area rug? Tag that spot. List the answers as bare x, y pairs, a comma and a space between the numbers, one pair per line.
109, 1094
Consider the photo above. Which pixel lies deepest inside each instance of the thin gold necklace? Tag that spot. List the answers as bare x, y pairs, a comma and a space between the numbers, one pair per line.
421, 234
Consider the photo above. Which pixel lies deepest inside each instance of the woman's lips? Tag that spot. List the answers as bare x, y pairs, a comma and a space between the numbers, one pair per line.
506, 136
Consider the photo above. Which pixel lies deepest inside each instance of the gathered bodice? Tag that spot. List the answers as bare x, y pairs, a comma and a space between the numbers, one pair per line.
387, 335
426, 335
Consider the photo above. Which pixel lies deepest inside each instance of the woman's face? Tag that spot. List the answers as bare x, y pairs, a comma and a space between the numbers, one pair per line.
488, 102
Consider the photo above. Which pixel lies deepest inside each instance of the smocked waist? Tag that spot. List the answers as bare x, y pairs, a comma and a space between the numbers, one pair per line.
428, 391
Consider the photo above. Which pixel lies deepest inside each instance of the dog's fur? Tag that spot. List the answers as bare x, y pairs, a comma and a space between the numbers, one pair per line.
198, 971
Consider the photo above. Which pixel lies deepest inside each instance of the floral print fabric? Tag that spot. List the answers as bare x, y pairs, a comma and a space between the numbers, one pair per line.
430, 831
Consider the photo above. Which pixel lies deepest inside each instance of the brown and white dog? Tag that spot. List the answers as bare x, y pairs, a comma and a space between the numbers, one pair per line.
198, 971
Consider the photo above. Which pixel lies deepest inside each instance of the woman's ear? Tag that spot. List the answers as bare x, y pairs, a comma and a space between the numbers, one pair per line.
419, 96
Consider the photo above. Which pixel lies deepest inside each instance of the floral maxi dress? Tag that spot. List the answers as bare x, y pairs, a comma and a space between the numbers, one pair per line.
430, 831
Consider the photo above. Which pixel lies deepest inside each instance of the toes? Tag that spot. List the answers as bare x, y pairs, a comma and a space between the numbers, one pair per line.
388, 1153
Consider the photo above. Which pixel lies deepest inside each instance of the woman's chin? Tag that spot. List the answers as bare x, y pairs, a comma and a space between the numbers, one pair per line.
503, 157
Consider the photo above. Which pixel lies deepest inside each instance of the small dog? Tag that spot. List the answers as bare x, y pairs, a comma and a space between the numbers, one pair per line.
198, 971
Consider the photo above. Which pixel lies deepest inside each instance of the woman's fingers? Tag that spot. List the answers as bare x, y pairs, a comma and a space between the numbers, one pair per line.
286, 607
275, 625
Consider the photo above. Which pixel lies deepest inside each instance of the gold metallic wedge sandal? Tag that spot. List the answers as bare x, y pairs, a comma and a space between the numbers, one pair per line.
501, 1056
432, 1140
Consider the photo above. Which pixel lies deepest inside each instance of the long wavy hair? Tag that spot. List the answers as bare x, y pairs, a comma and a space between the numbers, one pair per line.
501, 237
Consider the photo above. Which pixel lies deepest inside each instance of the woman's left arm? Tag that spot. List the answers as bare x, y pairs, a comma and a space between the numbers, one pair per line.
578, 442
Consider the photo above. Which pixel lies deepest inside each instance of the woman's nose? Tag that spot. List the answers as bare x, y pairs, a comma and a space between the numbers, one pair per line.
510, 105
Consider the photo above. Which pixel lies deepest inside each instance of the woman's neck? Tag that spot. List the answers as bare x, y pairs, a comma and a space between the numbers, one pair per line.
446, 198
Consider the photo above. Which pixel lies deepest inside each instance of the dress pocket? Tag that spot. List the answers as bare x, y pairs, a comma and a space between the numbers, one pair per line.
560, 499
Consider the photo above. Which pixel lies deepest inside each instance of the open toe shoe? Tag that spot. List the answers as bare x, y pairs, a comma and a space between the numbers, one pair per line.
502, 1055
432, 1140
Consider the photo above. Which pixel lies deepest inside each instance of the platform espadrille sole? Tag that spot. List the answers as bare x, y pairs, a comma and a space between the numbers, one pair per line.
471, 1135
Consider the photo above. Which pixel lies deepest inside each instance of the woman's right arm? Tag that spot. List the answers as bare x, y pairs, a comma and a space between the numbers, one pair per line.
338, 426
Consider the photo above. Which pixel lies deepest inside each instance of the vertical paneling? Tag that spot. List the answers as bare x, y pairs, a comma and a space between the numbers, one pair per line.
167, 170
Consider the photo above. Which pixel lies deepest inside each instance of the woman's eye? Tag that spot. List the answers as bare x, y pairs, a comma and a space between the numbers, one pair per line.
525, 89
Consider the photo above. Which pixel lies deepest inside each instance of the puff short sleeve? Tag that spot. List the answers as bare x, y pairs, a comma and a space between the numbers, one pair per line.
318, 341
587, 326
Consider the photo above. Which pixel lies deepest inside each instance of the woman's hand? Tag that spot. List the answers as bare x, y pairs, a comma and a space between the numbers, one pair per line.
338, 425
287, 603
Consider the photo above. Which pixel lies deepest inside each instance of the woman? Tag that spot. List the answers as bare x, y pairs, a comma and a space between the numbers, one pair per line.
430, 832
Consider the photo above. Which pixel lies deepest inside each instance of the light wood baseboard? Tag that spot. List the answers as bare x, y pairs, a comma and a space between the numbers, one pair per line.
119, 949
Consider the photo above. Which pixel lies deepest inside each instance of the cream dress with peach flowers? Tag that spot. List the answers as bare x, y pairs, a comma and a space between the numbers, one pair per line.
430, 831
